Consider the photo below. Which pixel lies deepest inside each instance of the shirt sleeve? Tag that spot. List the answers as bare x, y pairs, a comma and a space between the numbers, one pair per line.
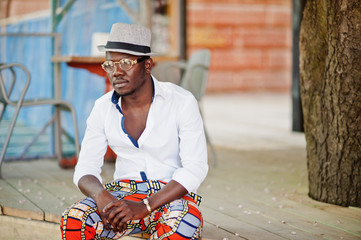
93, 147
193, 147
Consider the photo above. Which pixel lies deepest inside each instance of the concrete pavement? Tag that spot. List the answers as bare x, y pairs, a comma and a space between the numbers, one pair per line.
251, 121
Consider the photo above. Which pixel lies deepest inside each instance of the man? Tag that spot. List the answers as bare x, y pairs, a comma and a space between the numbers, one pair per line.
156, 131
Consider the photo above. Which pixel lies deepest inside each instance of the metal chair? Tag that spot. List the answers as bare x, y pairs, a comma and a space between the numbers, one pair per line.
192, 75
5, 94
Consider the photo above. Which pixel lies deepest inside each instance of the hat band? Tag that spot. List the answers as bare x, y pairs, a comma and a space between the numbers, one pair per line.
128, 46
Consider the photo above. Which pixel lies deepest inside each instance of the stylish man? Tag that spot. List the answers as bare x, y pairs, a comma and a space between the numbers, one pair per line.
156, 131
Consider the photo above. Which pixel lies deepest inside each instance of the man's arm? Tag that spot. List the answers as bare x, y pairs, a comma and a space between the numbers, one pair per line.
170, 192
90, 186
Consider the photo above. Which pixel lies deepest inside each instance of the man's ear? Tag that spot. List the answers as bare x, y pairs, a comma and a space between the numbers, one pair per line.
149, 65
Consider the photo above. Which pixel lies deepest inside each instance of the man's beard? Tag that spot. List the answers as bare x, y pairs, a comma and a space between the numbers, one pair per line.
126, 94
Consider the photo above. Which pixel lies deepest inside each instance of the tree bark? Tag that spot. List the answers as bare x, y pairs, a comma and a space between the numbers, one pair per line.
330, 79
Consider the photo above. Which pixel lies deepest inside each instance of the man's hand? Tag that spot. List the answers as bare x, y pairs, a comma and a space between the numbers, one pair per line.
103, 199
120, 212
116, 213
90, 186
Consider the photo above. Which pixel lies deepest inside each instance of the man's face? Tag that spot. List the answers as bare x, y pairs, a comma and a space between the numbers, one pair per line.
126, 82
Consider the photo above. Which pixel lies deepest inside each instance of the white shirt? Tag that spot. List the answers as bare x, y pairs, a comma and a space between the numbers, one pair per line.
171, 147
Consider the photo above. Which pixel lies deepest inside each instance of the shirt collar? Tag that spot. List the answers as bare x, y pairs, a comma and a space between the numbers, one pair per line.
115, 97
158, 90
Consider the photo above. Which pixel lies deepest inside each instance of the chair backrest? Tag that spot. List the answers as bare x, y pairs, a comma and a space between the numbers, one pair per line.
4, 93
196, 73
7, 81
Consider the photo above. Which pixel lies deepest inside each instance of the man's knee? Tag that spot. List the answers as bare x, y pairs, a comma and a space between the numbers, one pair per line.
74, 223
183, 221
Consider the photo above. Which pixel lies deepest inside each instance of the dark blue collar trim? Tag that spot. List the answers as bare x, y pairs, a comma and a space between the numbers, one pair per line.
115, 100
115, 97
135, 143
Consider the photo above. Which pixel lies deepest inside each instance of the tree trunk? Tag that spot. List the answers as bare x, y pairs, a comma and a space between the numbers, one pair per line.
330, 79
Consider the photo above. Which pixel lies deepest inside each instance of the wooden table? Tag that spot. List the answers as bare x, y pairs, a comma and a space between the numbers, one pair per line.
92, 64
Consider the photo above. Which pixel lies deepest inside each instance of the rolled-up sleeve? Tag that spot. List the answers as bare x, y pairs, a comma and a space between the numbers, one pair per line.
193, 147
93, 146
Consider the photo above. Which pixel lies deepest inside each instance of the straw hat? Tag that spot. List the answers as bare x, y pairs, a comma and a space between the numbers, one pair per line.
128, 38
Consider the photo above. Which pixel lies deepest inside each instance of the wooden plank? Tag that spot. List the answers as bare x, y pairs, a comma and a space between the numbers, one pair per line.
333, 224
60, 182
273, 219
261, 222
23, 229
272, 213
32, 190
282, 199
78, 59
271, 186
51, 206
47, 181
235, 228
235, 185
53, 180
346, 214
277, 188
14, 203
212, 232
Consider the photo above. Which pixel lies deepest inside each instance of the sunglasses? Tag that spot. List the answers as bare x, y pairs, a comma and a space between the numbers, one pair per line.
124, 64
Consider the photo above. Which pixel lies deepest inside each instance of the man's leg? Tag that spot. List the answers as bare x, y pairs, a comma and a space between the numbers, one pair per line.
180, 219
82, 220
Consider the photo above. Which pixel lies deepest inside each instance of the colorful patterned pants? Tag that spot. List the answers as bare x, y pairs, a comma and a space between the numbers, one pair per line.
180, 219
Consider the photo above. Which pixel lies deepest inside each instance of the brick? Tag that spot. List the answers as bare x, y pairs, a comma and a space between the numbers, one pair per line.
239, 14
278, 59
18, 7
237, 59
258, 56
264, 79
209, 36
277, 2
233, 59
249, 70
278, 15
263, 37
220, 81
225, 14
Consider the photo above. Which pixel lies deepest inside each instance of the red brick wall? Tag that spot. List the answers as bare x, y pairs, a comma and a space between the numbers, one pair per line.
19, 7
250, 41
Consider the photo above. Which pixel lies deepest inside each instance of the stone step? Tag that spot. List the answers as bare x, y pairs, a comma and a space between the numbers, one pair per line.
24, 229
